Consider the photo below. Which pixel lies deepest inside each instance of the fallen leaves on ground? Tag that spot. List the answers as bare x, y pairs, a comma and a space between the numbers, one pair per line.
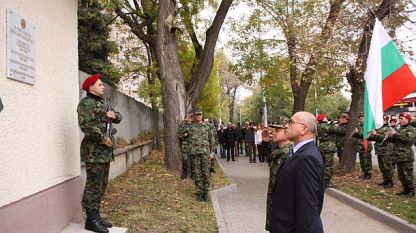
148, 198
385, 199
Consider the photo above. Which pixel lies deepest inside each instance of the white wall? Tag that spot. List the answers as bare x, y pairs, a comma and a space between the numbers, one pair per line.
39, 135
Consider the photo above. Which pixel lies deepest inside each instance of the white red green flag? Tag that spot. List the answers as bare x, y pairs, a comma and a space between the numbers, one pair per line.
387, 79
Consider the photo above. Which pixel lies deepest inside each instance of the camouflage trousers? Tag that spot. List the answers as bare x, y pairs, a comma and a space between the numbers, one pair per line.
405, 172
366, 163
187, 167
97, 180
328, 158
201, 172
386, 165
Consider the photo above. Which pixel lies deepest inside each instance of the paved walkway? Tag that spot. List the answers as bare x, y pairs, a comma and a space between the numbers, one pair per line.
244, 211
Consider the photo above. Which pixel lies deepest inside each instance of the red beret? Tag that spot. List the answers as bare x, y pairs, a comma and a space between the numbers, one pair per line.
320, 117
405, 115
90, 81
386, 118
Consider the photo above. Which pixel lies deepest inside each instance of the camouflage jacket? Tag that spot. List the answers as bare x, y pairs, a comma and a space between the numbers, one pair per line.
200, 139
382, 148
359, 136
92, 120
326, 136
213, 134
340, 131
183, 135
403, 141
278, 157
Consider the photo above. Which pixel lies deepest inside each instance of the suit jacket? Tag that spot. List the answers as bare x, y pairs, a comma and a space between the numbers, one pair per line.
299, 192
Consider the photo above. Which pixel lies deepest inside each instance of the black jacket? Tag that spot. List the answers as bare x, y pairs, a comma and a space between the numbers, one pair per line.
230, 136
249, 135
220, 134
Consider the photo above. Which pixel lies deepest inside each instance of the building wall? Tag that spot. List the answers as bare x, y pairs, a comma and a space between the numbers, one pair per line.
39, 133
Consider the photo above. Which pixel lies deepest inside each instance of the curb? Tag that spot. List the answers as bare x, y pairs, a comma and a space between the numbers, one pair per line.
373, 212
222, 228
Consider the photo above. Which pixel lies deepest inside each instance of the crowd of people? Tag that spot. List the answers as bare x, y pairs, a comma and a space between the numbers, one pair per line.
275, 143
299, 151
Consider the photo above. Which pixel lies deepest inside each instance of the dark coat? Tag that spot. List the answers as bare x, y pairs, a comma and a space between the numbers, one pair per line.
230, 136
299, 192
249, 135
220, 134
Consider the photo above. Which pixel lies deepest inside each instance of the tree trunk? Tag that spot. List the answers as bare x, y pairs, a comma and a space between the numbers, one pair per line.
232, 104
172, 82
299, 98
151, 79
349, 154
355, 78
205, 61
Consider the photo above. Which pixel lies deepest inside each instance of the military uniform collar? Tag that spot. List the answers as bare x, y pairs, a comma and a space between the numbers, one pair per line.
98, 98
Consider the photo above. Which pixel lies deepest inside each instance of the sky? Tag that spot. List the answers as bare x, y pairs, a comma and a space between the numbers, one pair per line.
406, 34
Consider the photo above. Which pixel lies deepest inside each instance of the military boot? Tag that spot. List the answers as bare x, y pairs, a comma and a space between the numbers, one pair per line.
200, 197
388, 184
184, 171
409, 193
205, 196
103, 222
367, 177
93, 223
403, 192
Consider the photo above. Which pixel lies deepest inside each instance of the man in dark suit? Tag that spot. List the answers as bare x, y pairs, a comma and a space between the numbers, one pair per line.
229, 137
299, 191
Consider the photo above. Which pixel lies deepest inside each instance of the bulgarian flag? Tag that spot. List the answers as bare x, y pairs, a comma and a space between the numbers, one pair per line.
387, 79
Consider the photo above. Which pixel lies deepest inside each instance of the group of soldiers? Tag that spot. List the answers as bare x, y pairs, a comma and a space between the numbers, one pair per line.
392, 144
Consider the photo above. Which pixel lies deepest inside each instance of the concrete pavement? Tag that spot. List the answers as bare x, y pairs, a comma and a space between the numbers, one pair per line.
244, 210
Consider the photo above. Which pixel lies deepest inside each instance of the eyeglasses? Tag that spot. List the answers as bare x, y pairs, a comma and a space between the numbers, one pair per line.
292, 122
198, 114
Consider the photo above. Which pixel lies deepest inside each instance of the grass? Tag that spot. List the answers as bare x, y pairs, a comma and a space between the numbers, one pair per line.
385, 199
147, 198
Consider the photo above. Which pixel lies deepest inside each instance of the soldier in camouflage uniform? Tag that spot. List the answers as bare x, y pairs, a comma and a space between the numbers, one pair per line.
96, 150
183, 134
201, 145
403, 139
366, 163
340, 131
384, 151
326, 135
278, 157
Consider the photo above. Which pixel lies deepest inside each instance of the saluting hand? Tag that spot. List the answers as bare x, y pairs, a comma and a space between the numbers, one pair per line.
111, 115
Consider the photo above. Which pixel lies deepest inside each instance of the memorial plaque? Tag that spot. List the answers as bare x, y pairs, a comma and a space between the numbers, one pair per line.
21, 38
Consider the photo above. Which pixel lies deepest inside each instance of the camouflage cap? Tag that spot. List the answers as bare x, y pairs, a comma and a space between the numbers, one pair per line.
282, 124
197, 110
